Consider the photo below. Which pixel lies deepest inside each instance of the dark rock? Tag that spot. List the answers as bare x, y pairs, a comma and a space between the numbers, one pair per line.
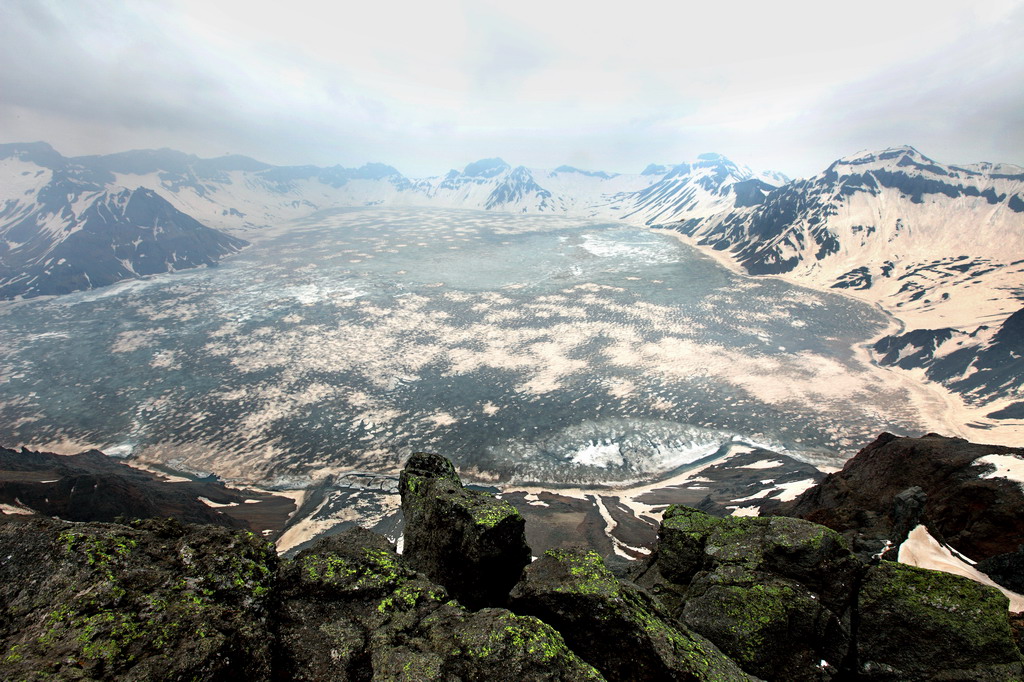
613, 625
917, 624
468, 541
351, 609
907, 512
773, 594
1017, 628
152, 601
979, 517
1006, 569
92, 486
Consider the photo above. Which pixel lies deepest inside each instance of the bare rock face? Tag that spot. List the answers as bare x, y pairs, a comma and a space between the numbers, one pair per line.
964, 505
773, 594
613, 625
468, 541
351, 609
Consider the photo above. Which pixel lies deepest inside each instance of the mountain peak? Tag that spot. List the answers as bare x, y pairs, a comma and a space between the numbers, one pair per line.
39, 153
592, 174
711, 156
486, 168
902, 154
376, 171
654, 169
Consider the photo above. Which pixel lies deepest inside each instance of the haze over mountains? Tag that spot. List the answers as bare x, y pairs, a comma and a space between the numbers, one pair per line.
940, 246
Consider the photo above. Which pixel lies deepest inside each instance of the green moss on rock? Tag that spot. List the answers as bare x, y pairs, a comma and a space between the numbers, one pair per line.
914, 620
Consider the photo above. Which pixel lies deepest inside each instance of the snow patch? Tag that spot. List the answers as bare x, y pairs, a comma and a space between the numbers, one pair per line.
792, 490
763, 464
1009, 467
598, 454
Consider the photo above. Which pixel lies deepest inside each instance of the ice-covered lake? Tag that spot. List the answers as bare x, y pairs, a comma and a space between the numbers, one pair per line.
526, 348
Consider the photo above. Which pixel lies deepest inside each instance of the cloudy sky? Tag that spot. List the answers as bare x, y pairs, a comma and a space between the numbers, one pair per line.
427, 86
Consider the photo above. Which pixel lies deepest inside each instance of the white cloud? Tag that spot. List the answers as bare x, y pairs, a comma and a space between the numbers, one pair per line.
427, 86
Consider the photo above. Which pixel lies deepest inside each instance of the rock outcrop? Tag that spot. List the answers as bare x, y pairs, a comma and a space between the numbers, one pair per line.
960, 496
916, 624
774, 594
154, 600
787, 600
614, 625
468, 541
352, 609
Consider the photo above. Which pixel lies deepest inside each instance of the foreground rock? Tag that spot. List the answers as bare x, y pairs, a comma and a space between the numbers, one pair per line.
917, 624
150, 601
726, 599
774, 594
351, 609
614, 625
787, 600
466, 540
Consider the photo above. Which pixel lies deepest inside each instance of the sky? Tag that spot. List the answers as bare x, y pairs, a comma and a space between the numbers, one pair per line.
428, 86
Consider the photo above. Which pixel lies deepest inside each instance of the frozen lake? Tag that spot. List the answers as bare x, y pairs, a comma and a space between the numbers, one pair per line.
526, 348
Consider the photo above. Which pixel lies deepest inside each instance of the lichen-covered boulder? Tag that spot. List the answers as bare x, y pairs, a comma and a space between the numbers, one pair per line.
774, 594
351, 609
466, 540
917, 624
613, 625
154, 600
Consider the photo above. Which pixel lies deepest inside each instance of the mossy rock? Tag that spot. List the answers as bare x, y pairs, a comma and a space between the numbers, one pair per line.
468, 541
153, 600
491, 644
351, 608
775, 629
773, 593
613, 625
917, 624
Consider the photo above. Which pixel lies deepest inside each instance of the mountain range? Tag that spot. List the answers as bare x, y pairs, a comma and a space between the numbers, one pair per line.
939, 246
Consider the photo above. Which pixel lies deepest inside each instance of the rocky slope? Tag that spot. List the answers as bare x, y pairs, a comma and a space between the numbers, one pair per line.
64, 230
971, 495
720, 599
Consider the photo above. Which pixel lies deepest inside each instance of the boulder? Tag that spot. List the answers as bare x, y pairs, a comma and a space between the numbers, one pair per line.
351, 609
773, 594
466, 540
917, 624
613, 625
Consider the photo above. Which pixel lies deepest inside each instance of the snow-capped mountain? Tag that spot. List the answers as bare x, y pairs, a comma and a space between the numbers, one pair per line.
711, 185
871, 208
940, 246
60, 232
